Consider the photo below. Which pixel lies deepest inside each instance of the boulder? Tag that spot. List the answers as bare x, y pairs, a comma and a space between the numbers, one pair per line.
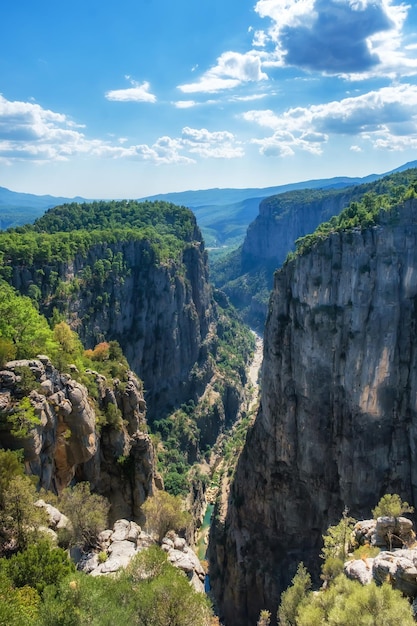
398, 567
360, 570
57, 519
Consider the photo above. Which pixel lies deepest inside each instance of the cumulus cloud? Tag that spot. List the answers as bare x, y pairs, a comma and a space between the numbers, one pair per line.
138, 92
342, 37
27, 131
232, 69
185, 104
386, 117
30, 132
218, 144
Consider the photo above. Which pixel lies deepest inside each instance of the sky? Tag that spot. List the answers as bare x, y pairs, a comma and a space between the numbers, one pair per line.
127, 99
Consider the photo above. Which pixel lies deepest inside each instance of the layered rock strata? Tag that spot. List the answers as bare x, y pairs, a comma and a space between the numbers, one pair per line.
337, 425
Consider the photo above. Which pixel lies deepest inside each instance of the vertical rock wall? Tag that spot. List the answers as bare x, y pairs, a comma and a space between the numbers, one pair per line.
159, 311
337, 424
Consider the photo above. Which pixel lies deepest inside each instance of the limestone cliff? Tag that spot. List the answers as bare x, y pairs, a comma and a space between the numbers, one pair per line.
159, 311
247, 275
63, 442
337, 425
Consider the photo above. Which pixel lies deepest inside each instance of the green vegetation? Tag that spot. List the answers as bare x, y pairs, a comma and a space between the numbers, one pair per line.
336, 544
87, 513
40, 587
373, 208
74, 228
23, 331
165, 512
19, 518
348, 603
150, 592
40, 565
294, 597
344, 602
391, 505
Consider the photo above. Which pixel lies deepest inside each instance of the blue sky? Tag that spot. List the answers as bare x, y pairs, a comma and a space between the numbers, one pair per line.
138, 97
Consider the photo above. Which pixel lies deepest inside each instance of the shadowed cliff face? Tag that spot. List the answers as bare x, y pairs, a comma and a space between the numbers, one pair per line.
337, 424
159, 311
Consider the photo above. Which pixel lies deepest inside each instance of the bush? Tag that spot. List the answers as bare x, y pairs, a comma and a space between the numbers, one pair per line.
20, 518
18, 607
164, 595
86, 511
294, 597
11, 465
348, 603
39, 565
165, 512
81, 599
391, 505
7, 351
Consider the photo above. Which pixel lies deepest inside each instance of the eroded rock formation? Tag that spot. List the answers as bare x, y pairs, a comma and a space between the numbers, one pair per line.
337, 425
65, 443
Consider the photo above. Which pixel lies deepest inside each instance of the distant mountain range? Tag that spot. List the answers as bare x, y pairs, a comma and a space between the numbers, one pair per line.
222, 214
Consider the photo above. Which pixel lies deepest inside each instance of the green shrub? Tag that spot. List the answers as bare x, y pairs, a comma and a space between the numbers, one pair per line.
294, 597
165, 512
39, 565
20, 518
87, 512
391, 505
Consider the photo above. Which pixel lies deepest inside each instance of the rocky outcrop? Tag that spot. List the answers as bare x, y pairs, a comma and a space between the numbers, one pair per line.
337, 425
61, 438
398, 566
121, 544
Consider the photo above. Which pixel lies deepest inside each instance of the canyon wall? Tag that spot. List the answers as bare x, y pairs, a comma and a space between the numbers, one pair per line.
337, 424
282, 219
160, 311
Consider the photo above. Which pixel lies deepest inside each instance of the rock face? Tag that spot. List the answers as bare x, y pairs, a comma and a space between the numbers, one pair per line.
271, 236
64, 442
337, 424
159, 312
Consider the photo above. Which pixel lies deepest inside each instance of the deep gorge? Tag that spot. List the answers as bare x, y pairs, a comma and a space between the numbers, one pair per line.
336, 422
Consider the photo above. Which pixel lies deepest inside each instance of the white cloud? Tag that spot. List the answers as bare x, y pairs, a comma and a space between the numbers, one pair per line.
218, 144
386, 117
255, 96
231, 70
139, 92
356, 38
185, 104
29, 132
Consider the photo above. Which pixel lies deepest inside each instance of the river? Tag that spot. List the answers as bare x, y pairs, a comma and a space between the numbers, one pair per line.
253, 382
